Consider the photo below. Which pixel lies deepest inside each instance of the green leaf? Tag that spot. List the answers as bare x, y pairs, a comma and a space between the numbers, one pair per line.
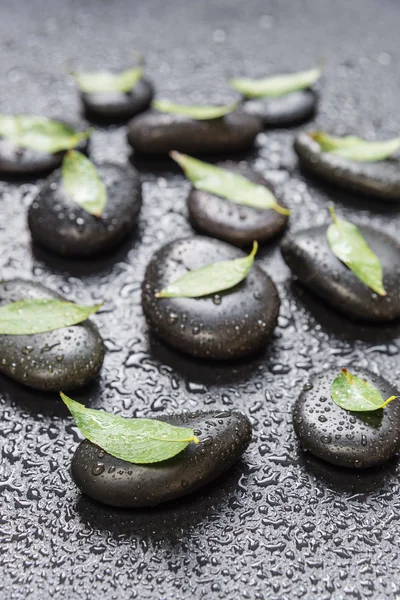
226, 184
138, 441
350, 247
355, 394
276, 85
40, 133
210, 279
26, 317
355, 148
199, 113
105, 81
83, 184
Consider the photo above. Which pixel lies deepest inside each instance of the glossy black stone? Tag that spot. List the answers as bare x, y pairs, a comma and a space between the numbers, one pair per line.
59, 224
234, 223
227, 325
224, 436
118, 106
284, 111
311, 260
159, 133
379, 179
63, 359
347, 439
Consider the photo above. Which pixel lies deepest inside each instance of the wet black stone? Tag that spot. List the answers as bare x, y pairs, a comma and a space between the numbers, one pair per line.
227, 325
231, 222
62, 359
379, 179
59, 224
224, 436
311, 260
284, 111
159, 133
118, 106
347, 439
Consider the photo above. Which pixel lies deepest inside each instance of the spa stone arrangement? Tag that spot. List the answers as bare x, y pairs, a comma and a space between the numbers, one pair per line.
204, 295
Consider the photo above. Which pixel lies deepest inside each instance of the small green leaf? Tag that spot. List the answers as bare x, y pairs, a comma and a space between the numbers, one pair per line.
226, 184
198, 113
355, 148
137, 441
347, 243
355, 394
40, 133
83, 184
210, 279
26, 317
105, 81
276, 85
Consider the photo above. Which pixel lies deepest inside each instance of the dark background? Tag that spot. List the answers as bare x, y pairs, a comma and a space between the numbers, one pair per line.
278, 526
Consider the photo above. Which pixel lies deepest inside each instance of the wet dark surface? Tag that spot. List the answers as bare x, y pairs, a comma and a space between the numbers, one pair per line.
276, 526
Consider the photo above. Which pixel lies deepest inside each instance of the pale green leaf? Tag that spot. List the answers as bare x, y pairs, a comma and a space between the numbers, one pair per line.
226, 184
105, 81
26, 317
354, 148
275, 85
83, 184
355, 394
210, 279
198, 113
137, 441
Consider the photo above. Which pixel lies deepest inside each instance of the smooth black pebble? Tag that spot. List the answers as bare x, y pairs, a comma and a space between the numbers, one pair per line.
62, 359
62, 226
226, 325
311, 260
118, 106
158, 133
224, 436
284, 111
348, 439
379, 179
234, 223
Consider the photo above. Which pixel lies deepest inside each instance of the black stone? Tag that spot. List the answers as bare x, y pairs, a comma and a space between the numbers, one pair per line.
231, 222
348, 439
159, 133
62, 359
378, 179
284, 111
59, 224
224, 436
227, 325
311, 260
118, 106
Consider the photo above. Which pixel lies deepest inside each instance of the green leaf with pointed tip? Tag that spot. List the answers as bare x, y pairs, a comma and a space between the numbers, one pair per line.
83, 184
137, 441
198, 113
355, 148
217, 277
26, 317
226, 184
40, 133
105, 81
353, 393
347, 243
275, 85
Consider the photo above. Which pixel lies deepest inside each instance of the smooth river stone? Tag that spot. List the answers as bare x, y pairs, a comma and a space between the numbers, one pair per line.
118, 106
224, 436
62, 226
311, 260
158, 133
62, 359
284, 111
378, 179
226, 325
348, 439
234, 223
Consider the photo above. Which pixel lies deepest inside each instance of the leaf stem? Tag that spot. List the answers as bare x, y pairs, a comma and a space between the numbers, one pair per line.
281, 209
388, 401
333, 214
